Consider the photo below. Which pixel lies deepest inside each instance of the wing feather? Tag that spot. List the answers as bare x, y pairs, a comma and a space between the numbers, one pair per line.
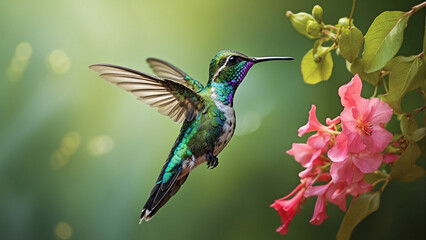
166, 70
172, 98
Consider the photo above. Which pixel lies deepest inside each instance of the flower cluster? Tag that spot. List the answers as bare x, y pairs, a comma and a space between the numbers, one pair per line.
338, 155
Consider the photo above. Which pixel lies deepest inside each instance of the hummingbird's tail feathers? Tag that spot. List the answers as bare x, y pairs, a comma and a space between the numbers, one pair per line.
159, 196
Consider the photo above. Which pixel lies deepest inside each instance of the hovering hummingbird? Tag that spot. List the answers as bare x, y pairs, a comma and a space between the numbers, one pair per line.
207, 113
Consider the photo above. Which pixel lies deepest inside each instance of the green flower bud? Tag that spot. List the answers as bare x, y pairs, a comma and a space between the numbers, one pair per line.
344, 22
317, 58
317, 13
313, 28
300, 21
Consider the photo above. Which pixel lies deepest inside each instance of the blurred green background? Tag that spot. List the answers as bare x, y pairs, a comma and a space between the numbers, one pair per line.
78, 156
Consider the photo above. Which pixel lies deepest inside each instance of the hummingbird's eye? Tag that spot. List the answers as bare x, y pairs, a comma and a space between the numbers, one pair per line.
232, 60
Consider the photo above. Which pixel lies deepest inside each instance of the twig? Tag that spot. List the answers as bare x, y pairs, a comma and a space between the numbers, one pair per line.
352, 13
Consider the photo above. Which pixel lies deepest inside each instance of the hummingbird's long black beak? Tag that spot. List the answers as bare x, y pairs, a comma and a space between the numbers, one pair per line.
264, 59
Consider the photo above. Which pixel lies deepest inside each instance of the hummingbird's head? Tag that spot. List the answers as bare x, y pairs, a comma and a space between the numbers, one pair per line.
230, 67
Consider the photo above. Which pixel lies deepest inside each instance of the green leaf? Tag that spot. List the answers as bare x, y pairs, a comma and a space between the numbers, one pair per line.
350, 43
357, 67
407, 74
424, 44
418, 134
403, 75
424, 100
403, 165
373, 177
415, 174
316, 72
383, 39
389, 65
420, 78
394, 100
407, 126
360, 208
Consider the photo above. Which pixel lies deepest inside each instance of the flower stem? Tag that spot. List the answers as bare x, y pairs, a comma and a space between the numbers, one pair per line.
375, 91
384, 85
385, 184
417, 8
352, 13
414, 113
380, 180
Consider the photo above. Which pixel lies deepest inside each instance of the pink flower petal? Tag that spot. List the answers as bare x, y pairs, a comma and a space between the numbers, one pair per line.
381, 112
313, 123
317, 190
287, 209
302, 153
336, 194
345, 171
379, 139
367, 162
319, 140
390, 158
355, 143
351, 92
339, 151
342, 172
362, 109
334, 121
320, 213
355, 189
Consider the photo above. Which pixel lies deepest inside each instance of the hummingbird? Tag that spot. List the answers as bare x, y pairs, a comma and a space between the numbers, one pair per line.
207, 113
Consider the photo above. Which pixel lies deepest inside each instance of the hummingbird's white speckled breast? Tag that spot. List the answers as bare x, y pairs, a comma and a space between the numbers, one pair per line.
228, 126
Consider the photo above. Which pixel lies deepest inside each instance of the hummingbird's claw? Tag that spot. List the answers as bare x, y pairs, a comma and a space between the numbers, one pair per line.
212, 161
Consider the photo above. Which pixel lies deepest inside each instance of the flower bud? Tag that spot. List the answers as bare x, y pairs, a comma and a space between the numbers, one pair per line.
300, 21
317, 58
317, 13
344, 22
313, 28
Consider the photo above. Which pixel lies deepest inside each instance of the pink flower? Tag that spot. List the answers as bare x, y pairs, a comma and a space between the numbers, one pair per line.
320, 213
353, 168
320, 141
303, 153
337, 194
355, 189
314, 125
363, 119
309, 156
340, 150
287, 209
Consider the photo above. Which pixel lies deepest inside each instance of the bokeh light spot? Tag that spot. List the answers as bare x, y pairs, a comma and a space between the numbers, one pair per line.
63, 230
19, 61
24, 51
59, 61
100, 145
248, 124
69, 145
71, 141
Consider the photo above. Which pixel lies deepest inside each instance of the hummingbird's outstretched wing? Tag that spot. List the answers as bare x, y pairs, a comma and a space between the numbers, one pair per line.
170, 97
166, 70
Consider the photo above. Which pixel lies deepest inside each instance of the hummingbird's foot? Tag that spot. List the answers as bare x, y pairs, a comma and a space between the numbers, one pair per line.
212, 161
